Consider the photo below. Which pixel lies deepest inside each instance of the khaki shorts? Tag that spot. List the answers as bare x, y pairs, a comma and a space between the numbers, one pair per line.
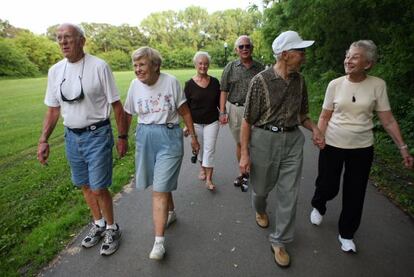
235, 114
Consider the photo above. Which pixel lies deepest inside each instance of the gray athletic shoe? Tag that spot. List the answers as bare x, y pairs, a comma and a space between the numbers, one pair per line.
111, 241
94, 236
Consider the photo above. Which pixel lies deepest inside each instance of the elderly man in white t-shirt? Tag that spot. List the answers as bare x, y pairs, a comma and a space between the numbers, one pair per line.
81, 88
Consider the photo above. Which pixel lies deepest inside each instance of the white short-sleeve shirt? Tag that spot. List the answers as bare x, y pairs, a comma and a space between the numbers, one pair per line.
156, 104
351, 123
98, 86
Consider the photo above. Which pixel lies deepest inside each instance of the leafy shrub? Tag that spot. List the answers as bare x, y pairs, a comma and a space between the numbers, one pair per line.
14, 62
117, 60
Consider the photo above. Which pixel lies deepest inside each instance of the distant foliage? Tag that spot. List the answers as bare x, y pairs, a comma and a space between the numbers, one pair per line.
177, 35
39, 50
334, 25
118, 60
14, 62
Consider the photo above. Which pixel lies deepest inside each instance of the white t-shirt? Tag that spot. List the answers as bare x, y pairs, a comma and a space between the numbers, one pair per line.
351, 123
156, 104
98, 86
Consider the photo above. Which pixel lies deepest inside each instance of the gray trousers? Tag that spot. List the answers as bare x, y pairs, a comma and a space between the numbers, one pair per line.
276, 162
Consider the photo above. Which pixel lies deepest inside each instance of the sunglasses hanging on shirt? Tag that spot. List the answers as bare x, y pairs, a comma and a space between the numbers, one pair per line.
81, 95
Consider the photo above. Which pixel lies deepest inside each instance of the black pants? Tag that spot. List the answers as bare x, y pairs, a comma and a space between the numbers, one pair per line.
357, 163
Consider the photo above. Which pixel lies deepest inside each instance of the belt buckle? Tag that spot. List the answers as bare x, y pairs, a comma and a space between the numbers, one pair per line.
274, 128
170, 125
92, 127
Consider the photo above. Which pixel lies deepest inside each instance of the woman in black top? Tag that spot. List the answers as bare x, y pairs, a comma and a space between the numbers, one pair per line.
203, 98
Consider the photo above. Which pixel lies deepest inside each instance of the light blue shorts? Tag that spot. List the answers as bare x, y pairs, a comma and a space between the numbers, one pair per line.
158, 156
90, 157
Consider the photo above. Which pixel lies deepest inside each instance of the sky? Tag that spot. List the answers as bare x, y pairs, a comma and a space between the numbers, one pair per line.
38, 15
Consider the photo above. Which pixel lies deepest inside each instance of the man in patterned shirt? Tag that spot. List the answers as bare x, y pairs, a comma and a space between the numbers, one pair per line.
234, 84
272, 151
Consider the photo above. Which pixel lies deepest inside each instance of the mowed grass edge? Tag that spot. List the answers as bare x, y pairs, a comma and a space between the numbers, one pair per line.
42, 211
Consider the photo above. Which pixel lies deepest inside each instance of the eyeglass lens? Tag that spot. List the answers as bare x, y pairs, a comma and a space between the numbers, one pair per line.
245, 46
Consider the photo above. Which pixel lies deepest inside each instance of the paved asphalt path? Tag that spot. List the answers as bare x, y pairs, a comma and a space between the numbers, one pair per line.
216, 234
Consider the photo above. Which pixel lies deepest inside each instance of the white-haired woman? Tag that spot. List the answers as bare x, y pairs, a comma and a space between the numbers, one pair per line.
346, 121
203, 98
157, 99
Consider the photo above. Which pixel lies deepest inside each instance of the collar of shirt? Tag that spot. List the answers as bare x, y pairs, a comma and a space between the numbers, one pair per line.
239, 63
292, 75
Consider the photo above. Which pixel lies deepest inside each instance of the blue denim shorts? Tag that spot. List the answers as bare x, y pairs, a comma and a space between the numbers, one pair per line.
90, 157
158, 156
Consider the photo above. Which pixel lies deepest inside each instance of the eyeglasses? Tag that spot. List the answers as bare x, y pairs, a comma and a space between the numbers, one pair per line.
244, 46
81, 94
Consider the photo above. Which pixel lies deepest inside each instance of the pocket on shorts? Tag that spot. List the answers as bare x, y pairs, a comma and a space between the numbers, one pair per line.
174, 141
103, 135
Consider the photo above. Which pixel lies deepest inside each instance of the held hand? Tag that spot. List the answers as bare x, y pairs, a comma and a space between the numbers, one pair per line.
224, 119
244, 164
43, 152
195, 145
408, 160
122, 147
318, 139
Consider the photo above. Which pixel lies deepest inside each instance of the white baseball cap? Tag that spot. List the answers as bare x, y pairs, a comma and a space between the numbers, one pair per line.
289, 40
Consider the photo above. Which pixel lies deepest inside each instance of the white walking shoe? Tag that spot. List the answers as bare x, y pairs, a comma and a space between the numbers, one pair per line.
157, 252
316, 217
347, 245
172, 217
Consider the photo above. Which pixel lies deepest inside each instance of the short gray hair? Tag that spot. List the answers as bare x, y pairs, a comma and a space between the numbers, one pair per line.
150, 53
236, 44
369, 47
77, 28
201, 54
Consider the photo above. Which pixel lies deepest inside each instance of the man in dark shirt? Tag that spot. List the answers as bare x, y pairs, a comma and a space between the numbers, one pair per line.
234, 84
276, 103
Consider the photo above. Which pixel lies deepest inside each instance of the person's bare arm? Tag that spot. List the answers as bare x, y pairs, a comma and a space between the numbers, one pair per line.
184, 112
49, 124
391, 126
120, 118
245, 133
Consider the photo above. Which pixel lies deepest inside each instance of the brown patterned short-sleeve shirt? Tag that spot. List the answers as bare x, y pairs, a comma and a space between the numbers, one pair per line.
272, 100
236, 78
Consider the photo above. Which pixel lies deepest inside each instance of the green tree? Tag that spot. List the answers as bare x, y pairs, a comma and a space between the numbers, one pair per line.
14, 62
161, 28
39, 50
118, 60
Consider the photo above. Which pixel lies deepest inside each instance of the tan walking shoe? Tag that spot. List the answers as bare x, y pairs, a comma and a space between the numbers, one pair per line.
262, 220
282, 258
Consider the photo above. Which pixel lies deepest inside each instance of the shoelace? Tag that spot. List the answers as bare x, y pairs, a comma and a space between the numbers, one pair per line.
93, 231
109, 236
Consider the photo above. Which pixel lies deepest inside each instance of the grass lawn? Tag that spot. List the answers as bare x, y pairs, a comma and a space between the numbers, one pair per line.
41, 210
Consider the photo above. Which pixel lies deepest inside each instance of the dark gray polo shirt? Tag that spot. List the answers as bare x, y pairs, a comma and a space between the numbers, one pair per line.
272, 100
236, 78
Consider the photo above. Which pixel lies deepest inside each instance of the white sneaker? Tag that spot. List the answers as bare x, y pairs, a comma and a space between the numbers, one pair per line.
316, 217
347, 245
172, 217
157, 252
